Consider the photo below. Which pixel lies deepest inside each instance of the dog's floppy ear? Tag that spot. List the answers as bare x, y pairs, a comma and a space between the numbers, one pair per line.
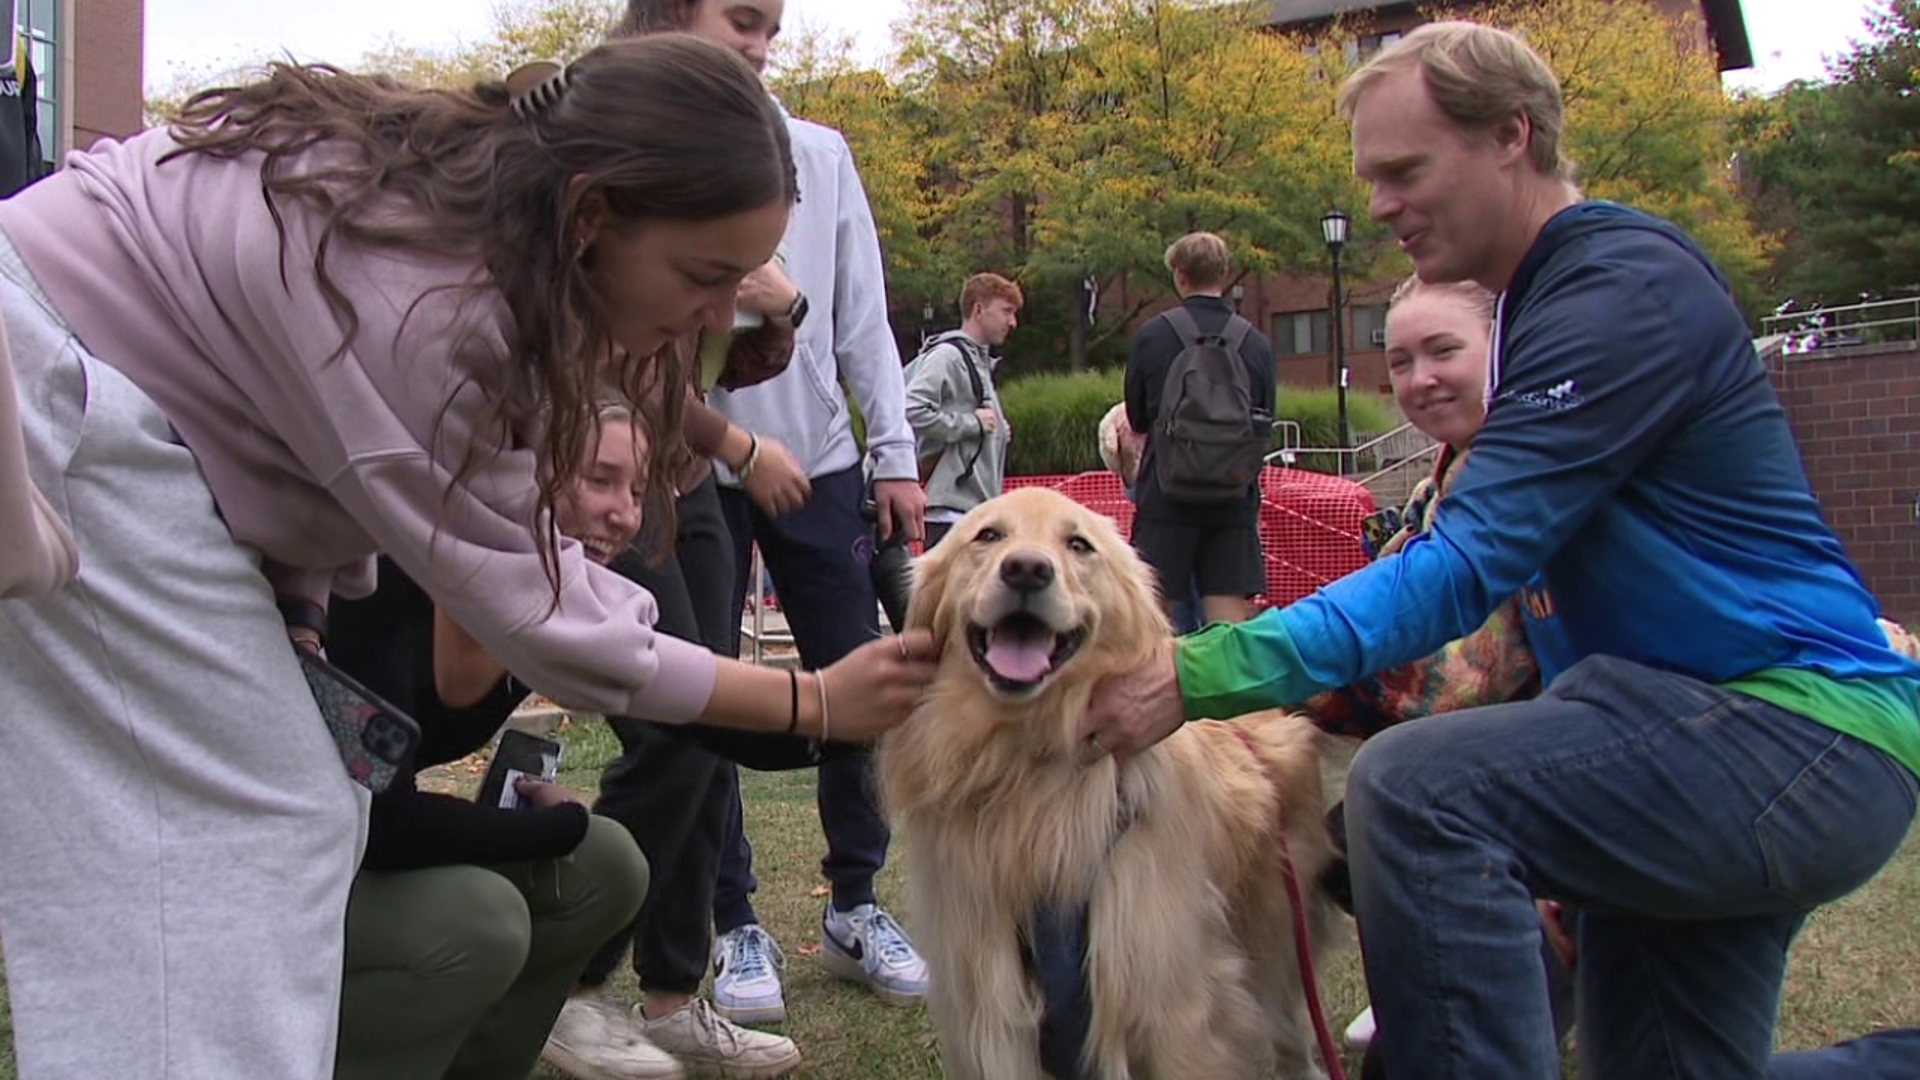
1141, 618
930, 574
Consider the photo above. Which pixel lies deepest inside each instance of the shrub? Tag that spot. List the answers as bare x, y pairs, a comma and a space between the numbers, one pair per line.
1056, 420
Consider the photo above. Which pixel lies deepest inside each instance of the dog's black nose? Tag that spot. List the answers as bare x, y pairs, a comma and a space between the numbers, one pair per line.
1026, 573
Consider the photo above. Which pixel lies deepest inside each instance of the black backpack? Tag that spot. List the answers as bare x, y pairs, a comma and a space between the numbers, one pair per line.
1210, 440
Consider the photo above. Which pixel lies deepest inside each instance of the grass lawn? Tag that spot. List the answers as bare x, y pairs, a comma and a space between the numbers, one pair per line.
1856, 967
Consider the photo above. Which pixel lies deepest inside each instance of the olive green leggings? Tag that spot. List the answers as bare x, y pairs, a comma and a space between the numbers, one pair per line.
458, 971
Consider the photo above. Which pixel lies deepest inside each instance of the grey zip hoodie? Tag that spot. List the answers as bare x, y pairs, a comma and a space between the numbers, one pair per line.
940, 406
833, 254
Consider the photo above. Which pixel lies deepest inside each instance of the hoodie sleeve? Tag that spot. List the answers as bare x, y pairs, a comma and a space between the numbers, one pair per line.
1596, 377
401, 426
863, 344
39, 555
409, 829
934, 400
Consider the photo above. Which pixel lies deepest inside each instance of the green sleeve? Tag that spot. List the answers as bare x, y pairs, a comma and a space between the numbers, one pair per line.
1226, 669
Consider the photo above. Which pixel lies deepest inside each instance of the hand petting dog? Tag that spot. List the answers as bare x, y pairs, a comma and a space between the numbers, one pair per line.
1135, 709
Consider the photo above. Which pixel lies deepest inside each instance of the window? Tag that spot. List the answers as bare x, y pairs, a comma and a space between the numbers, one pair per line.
1373, 43
1369, 326
39, 25
1299, 332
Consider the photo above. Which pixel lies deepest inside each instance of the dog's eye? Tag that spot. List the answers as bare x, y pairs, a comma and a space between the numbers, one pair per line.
988, 536
1080, 545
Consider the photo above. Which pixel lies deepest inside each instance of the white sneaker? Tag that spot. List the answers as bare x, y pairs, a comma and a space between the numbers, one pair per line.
715, 1046
592, 1039
746, 976
1360, 1032
866, 945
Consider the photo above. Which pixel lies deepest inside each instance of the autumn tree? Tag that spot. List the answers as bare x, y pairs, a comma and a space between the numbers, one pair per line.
1835, 165
522, 30
813, 75
1070, 140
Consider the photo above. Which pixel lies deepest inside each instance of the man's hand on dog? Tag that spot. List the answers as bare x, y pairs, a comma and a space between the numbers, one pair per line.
1133, 710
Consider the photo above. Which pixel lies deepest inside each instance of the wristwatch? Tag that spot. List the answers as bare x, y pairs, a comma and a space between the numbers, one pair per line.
796, 314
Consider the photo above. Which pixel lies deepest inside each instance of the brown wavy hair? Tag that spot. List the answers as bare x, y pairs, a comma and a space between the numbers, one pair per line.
655, 17
664, 127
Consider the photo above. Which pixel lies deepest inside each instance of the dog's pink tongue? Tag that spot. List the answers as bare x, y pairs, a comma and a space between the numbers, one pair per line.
1020, 657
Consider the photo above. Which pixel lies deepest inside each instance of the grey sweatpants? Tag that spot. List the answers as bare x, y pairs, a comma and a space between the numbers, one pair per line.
177, 835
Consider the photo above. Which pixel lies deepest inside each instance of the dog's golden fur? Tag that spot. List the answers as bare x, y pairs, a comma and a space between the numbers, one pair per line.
1191, 961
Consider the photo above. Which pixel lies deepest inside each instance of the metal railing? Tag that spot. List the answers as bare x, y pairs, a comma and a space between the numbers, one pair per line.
1384, 451
1392, 483
1869, 323
753, 627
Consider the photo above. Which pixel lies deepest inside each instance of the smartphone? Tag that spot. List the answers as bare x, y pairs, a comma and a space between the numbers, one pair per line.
519, 754
376, 741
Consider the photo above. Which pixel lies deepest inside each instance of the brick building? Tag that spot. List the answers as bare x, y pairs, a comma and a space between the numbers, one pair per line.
87, 55
1856, 415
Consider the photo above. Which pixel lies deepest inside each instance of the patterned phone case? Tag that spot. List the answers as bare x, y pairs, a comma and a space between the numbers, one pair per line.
375, 739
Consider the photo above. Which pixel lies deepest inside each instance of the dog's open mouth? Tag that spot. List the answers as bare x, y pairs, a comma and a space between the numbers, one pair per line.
1020, 652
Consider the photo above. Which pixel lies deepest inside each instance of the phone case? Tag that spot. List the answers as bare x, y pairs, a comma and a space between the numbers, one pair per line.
375, 739
518, 754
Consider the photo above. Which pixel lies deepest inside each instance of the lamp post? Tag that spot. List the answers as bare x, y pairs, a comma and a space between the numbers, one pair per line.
1333, 226
1239, 295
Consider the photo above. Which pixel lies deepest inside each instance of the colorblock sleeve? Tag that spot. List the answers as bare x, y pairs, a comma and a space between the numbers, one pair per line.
1596, 377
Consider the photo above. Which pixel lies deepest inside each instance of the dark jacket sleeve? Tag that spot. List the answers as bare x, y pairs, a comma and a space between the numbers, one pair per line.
1265, 377
408, 829
386, 641
1146, 371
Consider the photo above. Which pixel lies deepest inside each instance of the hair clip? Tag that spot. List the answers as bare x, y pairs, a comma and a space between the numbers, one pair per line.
535, 87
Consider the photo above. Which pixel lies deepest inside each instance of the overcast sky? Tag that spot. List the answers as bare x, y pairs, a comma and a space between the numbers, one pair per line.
1789, 37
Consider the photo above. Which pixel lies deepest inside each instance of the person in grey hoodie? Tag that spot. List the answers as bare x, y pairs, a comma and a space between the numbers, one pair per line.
955, 408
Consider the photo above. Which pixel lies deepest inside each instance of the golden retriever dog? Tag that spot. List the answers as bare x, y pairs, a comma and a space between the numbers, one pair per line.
1176, 854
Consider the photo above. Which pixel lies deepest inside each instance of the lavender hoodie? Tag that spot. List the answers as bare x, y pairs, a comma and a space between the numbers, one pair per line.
172, 274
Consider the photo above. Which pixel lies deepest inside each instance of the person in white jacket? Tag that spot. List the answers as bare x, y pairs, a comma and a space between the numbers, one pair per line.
818, 556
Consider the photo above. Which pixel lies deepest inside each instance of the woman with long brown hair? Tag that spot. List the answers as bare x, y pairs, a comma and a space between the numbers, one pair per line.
321, 316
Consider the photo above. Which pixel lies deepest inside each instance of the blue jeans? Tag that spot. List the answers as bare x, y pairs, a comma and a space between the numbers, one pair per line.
1893, 1054
1692, 829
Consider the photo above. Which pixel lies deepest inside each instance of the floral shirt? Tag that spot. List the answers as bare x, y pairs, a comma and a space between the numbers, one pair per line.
1489, 666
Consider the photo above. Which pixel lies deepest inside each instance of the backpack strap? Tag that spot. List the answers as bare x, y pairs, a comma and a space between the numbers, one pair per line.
1183, 324
959, 340
1235, 333
963, 347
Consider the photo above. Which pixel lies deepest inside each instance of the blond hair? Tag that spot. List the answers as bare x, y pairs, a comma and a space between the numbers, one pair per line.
1202, 258
1479, 77
1478, 298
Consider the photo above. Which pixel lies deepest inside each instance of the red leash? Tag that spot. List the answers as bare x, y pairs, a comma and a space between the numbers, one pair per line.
1302, 947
